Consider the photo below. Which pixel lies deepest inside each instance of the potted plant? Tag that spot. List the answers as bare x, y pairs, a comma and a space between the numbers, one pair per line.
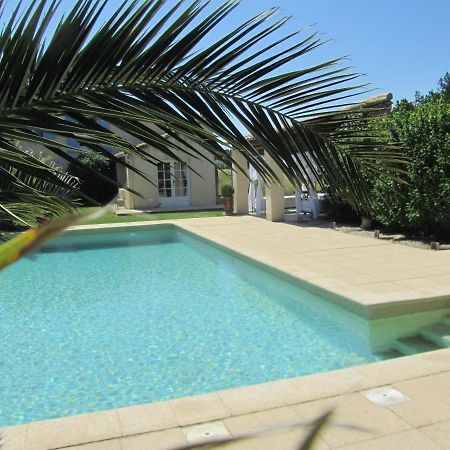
227, 193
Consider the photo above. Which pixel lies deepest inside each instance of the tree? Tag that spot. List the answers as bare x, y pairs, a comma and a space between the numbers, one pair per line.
145, 68
442, 92
422, 201
48, 198
98, 190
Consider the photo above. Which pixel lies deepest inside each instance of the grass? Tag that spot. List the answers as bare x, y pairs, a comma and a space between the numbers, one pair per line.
111, 217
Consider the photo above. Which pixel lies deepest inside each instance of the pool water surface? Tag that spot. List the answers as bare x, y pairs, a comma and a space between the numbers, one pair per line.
108, 319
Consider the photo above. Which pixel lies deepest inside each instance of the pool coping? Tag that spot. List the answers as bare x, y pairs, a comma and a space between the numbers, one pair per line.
186, 411
360, 302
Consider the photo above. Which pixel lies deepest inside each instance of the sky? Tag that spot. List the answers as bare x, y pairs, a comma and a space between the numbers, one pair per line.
401, 45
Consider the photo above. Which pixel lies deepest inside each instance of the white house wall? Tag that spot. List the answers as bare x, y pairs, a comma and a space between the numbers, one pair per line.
202, 188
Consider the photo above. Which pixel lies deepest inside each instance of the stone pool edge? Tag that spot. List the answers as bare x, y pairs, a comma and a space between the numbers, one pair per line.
103, 426
134, 420
365, 304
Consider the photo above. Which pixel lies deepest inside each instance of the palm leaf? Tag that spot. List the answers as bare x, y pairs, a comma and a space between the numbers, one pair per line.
33, 238
147, 71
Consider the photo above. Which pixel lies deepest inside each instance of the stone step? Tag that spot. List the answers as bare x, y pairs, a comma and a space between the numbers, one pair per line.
439, 333
388, 354
446, 319
414, 344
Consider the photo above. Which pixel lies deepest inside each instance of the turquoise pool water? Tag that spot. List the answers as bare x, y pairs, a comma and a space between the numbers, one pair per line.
103, 320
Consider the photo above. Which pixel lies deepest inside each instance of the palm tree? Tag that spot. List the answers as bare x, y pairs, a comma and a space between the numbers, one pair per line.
145, 66
21, 188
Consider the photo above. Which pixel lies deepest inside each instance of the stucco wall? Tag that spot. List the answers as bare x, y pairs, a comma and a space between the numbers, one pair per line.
202, 188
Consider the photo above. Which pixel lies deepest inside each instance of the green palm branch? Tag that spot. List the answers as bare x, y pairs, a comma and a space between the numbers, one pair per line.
20, 188
145, 71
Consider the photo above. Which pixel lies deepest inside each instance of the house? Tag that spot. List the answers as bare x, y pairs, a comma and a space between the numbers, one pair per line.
187, 182
176, 184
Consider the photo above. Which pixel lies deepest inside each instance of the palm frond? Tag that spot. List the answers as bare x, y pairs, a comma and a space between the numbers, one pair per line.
147, 71
27, 197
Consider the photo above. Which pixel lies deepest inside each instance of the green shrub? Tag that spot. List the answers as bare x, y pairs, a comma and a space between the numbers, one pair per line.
424, 203
96, 188
227, 190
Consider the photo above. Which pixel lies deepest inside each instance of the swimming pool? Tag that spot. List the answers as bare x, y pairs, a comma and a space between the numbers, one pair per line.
105, 319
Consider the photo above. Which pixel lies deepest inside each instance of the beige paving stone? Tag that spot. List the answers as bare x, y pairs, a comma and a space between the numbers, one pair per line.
441, 358
330, 283
73, 430
430, 401
443, 279
302, 273
354, 419
270, 420
260, 397
158, 440
145, 418
438, 433
357, 278
442, 378
395, 370
287, 440
369, 419
198, 409
328, 384
357, 295
382, 287
245, 423
13, 438
406, 440
113, 444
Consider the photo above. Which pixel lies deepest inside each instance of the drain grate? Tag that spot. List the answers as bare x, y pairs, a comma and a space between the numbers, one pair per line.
385, 396
200, 433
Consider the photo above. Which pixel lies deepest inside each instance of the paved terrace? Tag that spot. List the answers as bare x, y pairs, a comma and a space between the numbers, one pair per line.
374, 274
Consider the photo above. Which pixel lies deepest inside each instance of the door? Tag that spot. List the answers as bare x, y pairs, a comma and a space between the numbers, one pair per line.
173, 184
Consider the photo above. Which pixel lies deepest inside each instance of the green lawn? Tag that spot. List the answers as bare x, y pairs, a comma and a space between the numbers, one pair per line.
111, 217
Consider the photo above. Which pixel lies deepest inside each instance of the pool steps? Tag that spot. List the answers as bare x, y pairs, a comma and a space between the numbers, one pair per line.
430, 337
438, 333
414, 344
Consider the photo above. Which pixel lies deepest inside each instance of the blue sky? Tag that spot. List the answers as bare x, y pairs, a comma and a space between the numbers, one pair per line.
402, 45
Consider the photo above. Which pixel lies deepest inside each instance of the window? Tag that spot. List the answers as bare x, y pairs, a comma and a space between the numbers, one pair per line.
164, 180
173, 179
180, 179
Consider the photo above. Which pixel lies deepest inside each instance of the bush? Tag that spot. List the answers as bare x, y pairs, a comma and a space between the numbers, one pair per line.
227, 190
94, 187
424, 203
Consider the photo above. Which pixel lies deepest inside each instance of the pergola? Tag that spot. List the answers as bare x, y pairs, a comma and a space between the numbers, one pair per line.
275, 206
